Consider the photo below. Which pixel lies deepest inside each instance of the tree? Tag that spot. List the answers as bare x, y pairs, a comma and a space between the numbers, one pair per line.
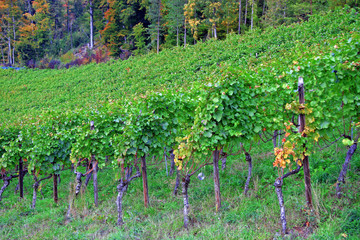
9, 15
34, 34
239, 24
121, 17
154, 16
212, 15
139, 35
175, 17
91, 24
191, 18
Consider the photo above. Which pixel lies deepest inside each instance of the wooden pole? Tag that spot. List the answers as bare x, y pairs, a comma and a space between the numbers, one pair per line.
306, 158
55, 181
216, 179
145, 183
95, 166
21, 178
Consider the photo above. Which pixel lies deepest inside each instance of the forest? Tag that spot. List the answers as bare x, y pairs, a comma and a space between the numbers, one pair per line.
65, 33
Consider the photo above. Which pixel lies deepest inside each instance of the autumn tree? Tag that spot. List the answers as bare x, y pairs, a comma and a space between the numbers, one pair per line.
9, 16
34, 34
121, 17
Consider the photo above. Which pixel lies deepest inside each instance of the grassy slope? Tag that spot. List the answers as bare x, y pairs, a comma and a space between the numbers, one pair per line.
26, 92
253, 217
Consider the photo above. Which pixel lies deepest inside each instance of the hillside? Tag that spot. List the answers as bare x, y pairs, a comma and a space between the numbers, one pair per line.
28, 92
253, 137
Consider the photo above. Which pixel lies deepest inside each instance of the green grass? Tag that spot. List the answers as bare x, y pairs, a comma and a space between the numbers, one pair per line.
253, 217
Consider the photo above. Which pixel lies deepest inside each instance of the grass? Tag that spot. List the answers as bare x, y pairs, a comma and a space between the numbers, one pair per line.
242, 217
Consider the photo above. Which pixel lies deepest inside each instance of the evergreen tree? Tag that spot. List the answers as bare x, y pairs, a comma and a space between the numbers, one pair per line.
175, 17
154, 16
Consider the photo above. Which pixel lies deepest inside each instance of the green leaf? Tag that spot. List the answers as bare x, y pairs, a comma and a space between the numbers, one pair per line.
324, 124
218, 115
207, 134
257, 129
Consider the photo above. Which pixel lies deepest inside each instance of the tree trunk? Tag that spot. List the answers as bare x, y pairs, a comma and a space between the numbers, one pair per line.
177, 36
88, 178
177, 183
9, 51
2, 53
246, 7
21, 178
216, 179
121, 190
78, 182
274, 138
306, 158
55, 181
263, 11
91, 25
341, 178
185, 34
278, 188
36, 186
185, 185
158, 30
172, 157
223, 159
285, 10
214, 24
248, 159
6, 184
145, 182
71, 37
95, 181
29, 7
252, 14
239, 24
14, 34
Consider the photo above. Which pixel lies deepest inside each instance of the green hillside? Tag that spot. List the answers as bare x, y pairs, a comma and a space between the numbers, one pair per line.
27, 92
278, 111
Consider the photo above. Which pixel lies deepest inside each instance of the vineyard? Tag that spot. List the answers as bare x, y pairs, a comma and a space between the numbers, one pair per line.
252, 137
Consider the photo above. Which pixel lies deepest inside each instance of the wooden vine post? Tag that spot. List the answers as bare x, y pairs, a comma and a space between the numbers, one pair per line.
95, 168
21, 177
145, 182
55, 184
216, 178
306, 158
249, 160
